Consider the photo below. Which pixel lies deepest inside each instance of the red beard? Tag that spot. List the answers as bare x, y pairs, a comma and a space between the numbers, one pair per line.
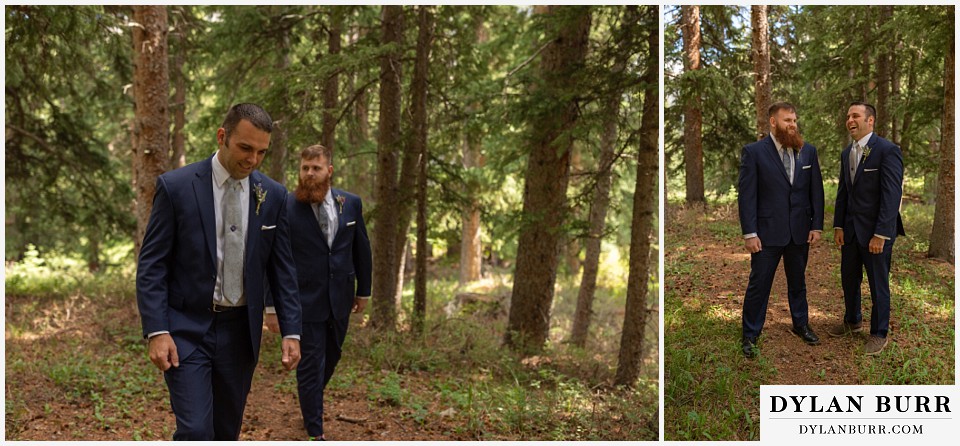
311, 191
787, 139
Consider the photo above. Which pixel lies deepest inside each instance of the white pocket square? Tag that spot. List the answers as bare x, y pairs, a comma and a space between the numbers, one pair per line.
351, 223
807, 166
267, 228
870, 170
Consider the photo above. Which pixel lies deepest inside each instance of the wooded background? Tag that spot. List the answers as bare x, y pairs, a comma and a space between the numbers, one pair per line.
726, 65
486, 142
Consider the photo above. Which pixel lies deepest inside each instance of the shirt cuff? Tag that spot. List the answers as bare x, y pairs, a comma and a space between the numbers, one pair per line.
270, 310
297, 337
749, 236
363, 297
816, 230
157, 333
881, 236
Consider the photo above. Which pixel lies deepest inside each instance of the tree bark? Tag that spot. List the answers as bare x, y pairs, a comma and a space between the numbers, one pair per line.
331, 87
179, 150
385, 258
692, 117
151, 91
470, 237
644, 197
420, 73
941, 236
884, 51
600, 201
278, 140
761, 67
547, 175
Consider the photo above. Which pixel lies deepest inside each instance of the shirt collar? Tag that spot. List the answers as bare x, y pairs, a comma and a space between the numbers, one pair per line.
863, 141
776, 143
220, 174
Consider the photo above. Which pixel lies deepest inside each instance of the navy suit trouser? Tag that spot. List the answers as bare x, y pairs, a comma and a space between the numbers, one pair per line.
320, 349
208, 392
853, 260
763, 267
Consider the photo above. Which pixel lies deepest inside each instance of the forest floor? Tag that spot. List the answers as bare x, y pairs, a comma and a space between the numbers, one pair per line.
76, 369
711, 390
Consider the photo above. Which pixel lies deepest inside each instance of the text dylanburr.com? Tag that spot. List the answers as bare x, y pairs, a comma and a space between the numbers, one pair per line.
844, 413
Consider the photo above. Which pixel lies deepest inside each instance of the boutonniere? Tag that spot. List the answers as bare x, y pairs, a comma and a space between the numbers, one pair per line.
340, 200
866, 151
261, 195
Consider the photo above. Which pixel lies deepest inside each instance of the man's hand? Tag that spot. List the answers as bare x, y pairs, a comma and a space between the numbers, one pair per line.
291, 353
876, 245
272, 323
163, 352
838, 237
753, 245
359, 304
813, 237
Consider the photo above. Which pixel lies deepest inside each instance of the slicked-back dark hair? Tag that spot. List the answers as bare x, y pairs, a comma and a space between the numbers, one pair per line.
871, 110
317, 151
780, 106
252, 113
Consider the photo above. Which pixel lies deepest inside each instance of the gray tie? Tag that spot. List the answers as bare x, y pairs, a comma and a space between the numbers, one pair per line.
323, 218
232, 243
786, 163
854, 160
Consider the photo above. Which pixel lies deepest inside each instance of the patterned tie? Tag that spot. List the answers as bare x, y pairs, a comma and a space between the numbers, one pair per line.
323, 218
786, 163
854, 160
232, 242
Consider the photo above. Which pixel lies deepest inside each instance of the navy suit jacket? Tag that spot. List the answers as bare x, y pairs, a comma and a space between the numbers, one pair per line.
770, 206
871, 205
177, 270
330, 277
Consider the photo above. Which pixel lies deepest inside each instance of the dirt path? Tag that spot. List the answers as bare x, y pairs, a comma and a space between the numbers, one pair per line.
724, 267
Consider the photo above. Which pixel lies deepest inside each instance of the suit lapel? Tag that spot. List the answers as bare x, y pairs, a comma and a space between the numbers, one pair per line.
203, 189
777, 160
254, 218
341, 220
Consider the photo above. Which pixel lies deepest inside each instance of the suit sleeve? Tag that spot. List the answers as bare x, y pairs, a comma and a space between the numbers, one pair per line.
362, 257
282, 276
891, 191
747, 197
816, 194
840, 205
153, 266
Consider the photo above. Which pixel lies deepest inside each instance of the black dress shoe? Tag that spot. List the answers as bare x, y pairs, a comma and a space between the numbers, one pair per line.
749, 347
806, 333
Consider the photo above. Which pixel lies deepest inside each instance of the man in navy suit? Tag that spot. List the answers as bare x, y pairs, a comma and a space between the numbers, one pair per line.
217, 231
866, 223
781, 213
332, 253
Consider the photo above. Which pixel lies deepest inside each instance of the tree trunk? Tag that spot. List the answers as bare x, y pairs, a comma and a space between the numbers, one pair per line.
331, 88
420, 74
571, 249
385, 258
151, 123
278, 152
547, 175
359, 132
600, 201
692, 117
178, 157
761, 67
941, 236
644, 197
470, 241
882, 127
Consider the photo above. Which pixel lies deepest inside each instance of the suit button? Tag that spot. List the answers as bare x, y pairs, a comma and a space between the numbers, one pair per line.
331, 276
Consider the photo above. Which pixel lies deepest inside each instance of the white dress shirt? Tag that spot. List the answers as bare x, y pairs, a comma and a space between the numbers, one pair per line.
332, 213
